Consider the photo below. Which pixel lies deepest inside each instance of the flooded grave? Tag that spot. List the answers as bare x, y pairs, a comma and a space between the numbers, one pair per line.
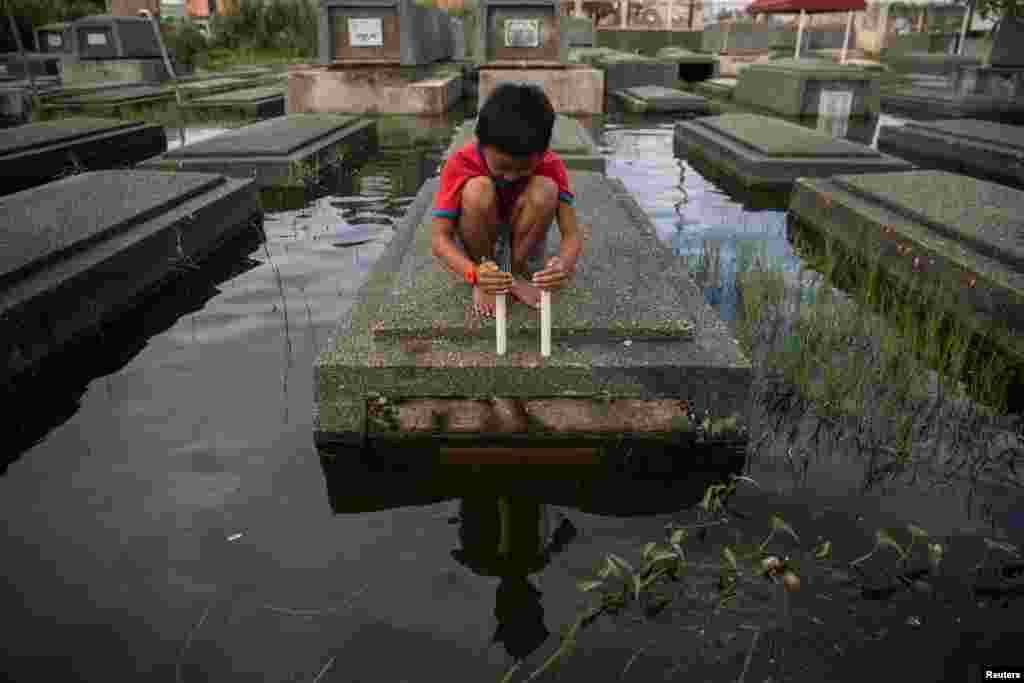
264, 102
983, 149
37, 153
792, 87
411, 367
109, 101
56, 38
627, 70
656, 99
693, 66
81, 250
379, 57
935, 103
930, 63
286, 151
958, 235
111, 47
764, 151
569, 139
12, 66
646, 42
522, 41
721, 88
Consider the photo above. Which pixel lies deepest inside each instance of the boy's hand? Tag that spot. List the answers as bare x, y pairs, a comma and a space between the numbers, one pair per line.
491, 280
553, 276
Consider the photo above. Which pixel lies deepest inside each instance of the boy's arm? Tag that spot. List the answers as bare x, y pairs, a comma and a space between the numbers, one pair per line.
444, 247
570, 245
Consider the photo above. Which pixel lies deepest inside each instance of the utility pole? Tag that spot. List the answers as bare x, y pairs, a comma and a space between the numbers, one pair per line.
689, 20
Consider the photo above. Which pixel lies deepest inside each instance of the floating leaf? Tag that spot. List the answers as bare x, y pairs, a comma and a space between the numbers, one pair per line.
609, 569
648, 549
585, 586
729, 557
917, 532
883, 538
678, 536
999, 545
823, 550
779, 525
935, 554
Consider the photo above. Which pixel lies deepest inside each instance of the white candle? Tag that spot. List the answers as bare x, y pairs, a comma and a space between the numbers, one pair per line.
500, 323
545, 322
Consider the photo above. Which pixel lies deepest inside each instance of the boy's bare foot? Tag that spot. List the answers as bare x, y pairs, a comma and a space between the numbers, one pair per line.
483, 303
526, 293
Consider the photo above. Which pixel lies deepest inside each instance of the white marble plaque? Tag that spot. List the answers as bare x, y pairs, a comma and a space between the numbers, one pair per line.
54, 40
835, 104
96, 38
365, 32
522, 32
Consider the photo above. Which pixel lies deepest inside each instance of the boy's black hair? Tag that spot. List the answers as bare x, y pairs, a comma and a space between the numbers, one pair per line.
517, 119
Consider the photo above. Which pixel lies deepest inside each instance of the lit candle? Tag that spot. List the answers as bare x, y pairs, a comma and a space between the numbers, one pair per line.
500, 323
545, 322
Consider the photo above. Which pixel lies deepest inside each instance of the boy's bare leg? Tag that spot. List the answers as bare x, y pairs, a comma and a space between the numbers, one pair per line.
532, 216
478, 228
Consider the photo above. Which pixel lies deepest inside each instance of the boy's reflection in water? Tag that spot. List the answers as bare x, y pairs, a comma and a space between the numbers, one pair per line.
509, 538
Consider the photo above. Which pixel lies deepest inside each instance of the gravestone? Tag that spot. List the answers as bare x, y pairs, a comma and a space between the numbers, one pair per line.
834, 112
517, 30
79, 251
1008, 45
37, 153
383, 32
56, 39
770, 152
110, 37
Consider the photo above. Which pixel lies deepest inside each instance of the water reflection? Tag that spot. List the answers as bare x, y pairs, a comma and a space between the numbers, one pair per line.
513, 520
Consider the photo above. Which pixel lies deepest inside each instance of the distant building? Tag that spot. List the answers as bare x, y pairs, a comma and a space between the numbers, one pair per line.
208, 8
130, 8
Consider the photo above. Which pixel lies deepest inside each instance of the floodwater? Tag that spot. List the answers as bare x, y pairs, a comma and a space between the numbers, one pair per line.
168, 518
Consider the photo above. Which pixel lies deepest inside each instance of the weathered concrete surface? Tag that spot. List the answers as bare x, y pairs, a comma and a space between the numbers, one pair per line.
372, 90
721, 88
949, 104
645, 41
1001, 82
258, 102
930, 63
569, 139
623, 70
37, 153
79, 251
653, 98
286, 151
12, 68
576, 89
631, 327
109, 101
792, 87
82, 72
957, 233
579, 31
764, 151
983, 149
410, 34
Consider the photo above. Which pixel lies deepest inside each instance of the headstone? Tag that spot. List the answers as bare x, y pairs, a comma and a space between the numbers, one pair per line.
111, 37
56, 39
518, 30
79, 251
383, 32
1008, 45
834, 112
765, 151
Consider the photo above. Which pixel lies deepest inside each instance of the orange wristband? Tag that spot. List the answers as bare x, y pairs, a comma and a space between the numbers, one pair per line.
470, 275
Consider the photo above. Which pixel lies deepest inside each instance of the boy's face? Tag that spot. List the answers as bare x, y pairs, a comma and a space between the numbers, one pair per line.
507, 167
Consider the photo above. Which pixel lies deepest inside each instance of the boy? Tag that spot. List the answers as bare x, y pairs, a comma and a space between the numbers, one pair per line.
500, 194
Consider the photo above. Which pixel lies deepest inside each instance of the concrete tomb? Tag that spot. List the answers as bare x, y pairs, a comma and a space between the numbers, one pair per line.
579, 31
383, 32
959, 234
983, 149
931, 63
765, 151
656, 99
646, 42
793, 87
569, 139
287, 151
721, 88
522, 41
693, 66
112, 37
625, 70
12, 66
263, 102
37, 153
110, 101
638, 357
56, 39
949, 104
79, 251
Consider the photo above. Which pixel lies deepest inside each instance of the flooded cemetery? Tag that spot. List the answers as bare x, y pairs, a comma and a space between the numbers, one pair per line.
770, 429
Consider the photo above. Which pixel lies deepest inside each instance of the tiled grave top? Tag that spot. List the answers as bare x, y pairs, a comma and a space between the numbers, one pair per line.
33, 135
776, 138
613, 293
976, 130
275, 137
657, 92
119, 94
52, 220
988, 215
247, 95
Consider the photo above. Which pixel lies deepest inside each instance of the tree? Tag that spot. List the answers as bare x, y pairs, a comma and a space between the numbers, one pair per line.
997, 9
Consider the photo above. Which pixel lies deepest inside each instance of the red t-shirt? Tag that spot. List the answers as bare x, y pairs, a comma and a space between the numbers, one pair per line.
469, 162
